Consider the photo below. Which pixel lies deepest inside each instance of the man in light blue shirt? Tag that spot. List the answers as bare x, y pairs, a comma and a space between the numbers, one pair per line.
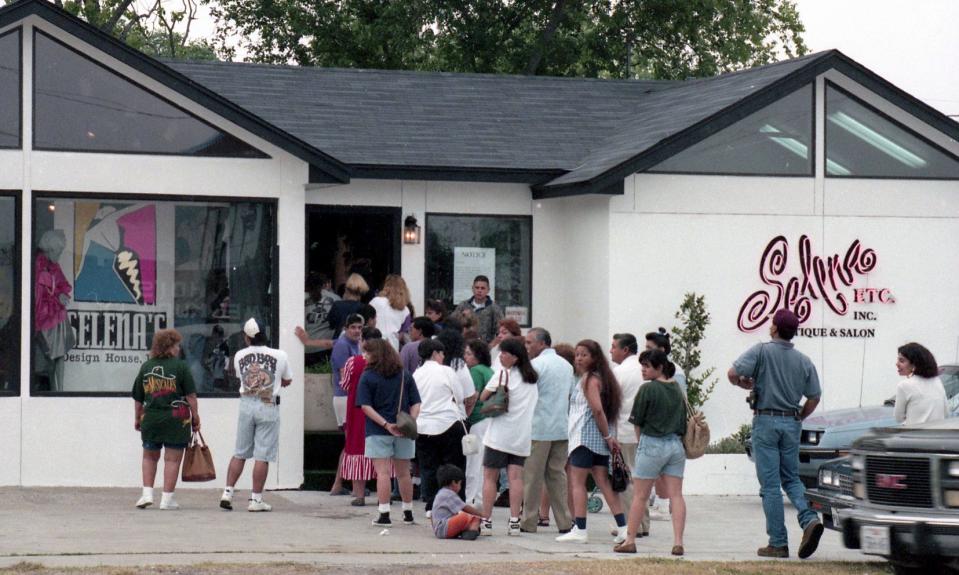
547, 460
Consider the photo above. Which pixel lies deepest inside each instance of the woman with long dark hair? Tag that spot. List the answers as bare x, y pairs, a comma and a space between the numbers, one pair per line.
920, 397
508, 440
593, 410
385, 389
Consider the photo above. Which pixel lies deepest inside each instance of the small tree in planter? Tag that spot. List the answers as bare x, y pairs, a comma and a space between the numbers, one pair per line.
686, 338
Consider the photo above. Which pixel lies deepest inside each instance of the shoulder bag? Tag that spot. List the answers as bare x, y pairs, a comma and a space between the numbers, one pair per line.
470, 444
619, 474
498, 403
697, 431
198, 461
404, 421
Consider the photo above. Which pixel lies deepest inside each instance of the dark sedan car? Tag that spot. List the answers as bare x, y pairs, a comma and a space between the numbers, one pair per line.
830, 434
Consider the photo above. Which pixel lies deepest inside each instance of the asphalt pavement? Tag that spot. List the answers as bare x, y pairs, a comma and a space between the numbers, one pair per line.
88, 527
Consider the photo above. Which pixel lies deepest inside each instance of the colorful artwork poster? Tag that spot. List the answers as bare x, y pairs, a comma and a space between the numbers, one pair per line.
115, 253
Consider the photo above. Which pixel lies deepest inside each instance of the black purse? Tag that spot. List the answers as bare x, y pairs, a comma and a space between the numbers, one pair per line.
619, 472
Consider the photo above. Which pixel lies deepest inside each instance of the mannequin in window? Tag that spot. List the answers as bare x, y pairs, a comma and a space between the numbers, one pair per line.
54, 336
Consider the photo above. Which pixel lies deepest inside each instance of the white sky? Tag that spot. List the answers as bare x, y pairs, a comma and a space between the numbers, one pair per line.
914, 45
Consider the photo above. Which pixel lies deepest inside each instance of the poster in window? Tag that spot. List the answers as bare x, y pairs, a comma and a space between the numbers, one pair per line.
96, 294
469, 263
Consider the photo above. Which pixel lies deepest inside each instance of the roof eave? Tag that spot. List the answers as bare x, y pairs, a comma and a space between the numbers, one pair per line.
326, 164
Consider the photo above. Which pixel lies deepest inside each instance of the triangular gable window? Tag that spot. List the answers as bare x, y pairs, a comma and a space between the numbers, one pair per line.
80, 105
862, 142
10, 90
777, 140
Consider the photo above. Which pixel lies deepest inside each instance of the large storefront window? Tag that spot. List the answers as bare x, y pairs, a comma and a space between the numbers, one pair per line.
110, 272
10, 90
461, 247
9, 296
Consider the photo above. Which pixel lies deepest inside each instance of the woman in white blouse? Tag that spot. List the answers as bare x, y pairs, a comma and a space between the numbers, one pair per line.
920, 397
439, 423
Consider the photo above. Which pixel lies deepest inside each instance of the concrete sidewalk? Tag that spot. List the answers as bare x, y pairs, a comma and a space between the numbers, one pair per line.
86, 527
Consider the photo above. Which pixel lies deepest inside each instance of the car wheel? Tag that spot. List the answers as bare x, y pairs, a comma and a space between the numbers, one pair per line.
924, 566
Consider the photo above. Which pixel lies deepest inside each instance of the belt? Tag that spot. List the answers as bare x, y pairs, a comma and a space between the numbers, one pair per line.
777, 412
266, 400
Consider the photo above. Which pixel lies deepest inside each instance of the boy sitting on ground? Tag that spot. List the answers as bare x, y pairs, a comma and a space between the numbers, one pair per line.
452, 517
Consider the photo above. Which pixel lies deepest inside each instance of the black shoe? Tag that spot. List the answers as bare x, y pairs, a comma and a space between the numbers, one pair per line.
408, 517
383, 521
810, 538
470, 535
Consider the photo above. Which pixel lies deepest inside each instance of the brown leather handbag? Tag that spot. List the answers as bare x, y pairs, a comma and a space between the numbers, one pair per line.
198, 461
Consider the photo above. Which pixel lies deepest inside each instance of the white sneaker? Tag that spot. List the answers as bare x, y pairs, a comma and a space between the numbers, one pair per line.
657, 515
259, 506
486, 528
620, 535
575, 535
429, 514
144, 502
513, 529
226, 501
170, 505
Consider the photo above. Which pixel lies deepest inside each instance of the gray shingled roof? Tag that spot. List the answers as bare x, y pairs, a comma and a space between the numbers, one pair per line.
668, 113
399, 118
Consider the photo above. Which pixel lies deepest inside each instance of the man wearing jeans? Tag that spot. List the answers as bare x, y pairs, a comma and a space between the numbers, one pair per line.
546, 463
781, 376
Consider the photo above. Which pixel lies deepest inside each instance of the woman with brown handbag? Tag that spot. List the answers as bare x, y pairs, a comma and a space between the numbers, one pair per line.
659, 416
165, 411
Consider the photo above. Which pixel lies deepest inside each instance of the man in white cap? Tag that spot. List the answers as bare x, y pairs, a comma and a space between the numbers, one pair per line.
258, 428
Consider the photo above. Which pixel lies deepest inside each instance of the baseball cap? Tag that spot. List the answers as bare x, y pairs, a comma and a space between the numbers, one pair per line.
251, 328
786, 319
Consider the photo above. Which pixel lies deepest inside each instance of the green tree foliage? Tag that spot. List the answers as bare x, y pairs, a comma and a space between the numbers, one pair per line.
159, 29
693, 319
661, 38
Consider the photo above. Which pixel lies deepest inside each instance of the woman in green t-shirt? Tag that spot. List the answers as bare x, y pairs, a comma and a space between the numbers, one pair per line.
659, 416
164, 397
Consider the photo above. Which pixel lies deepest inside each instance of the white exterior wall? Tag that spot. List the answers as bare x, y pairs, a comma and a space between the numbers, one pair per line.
706, 234
91, 440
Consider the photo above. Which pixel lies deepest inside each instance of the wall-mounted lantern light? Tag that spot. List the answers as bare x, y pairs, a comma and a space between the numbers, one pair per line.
411, 231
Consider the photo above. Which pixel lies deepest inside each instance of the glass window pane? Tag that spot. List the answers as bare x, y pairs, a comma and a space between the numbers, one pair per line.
776, 140
861, 142
10, 90
111, 272
9, 297
82, 106
458, 248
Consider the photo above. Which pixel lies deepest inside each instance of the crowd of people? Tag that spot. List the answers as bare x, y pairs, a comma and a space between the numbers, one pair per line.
475, 409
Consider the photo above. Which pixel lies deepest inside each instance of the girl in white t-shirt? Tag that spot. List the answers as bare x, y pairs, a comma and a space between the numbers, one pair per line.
920, 397
508, 439
392, 309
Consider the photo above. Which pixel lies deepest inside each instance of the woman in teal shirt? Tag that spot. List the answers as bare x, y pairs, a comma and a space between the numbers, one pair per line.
477, 357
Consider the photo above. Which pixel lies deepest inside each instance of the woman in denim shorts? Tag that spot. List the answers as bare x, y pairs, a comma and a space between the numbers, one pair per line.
385, 389
659, 414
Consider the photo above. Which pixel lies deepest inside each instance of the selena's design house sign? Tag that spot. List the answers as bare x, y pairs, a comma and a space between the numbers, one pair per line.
827, 279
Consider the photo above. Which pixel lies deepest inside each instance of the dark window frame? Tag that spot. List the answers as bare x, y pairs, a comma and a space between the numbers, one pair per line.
832, 85
261, 155
812, 146
17, 316
19, 33
274, 297
426, 248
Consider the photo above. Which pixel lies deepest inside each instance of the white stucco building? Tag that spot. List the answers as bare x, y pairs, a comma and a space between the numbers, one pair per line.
193, 195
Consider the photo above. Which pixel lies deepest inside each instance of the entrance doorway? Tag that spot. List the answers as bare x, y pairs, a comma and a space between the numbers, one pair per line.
341, 240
